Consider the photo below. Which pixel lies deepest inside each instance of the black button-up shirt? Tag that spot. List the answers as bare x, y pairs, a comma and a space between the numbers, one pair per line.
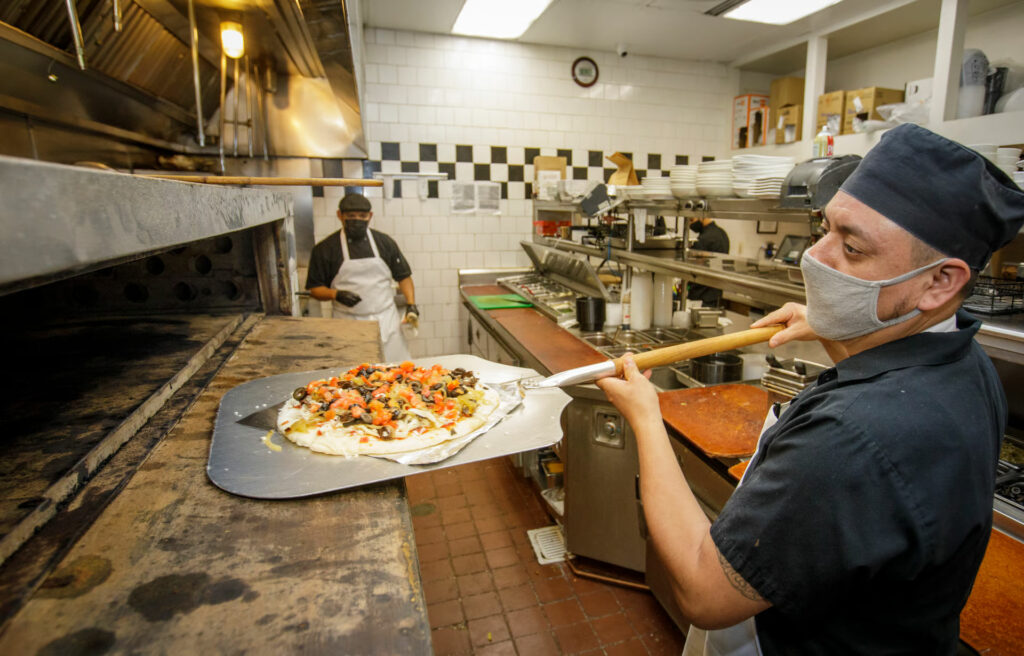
865, 514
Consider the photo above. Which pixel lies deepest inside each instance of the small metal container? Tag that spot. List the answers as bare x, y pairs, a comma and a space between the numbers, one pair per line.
661, 335
598, 339
704, 317
619, 351
632, 338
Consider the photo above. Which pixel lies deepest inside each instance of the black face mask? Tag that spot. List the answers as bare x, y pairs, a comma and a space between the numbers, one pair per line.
356, 229
697, 227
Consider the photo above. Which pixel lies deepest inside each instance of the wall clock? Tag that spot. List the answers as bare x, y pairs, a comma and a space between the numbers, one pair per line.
584, 71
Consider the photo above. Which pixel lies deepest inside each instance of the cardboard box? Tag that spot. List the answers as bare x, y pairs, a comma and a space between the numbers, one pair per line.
749, 120
785, 91
830, 105
789, 124
918, 91
863, 103
547, 171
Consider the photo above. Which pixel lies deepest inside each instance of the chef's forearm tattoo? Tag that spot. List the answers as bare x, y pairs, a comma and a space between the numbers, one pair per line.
736, 580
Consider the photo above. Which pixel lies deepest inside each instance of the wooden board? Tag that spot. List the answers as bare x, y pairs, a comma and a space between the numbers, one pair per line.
737, 470
482, 290
723, 421
991, 620
556, 348
174, 565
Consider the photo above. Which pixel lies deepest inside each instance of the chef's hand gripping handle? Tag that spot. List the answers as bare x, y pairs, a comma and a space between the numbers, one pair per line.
671, 354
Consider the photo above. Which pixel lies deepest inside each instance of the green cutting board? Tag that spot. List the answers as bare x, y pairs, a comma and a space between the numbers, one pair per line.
499, 301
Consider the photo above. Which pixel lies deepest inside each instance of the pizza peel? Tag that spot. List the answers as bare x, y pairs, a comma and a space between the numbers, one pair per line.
248, 457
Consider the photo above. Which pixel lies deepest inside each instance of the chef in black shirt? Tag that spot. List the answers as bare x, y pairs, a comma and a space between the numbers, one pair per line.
354, 268
864, 514
710, 237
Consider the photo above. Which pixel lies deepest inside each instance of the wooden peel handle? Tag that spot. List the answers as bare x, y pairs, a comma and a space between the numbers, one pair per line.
248, 180
670, 354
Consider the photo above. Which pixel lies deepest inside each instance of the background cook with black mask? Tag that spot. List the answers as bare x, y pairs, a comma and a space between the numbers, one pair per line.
865, 512
710, 237
354, 268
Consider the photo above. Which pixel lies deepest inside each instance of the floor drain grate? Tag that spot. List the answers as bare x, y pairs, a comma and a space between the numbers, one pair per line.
548, 544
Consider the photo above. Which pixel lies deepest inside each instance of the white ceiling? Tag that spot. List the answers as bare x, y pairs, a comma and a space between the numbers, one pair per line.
677, 29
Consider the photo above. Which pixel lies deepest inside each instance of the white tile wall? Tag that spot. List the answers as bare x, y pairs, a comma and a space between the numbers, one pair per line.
446, 90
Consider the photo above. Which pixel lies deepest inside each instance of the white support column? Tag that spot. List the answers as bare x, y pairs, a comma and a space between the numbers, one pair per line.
949, 52
814, 82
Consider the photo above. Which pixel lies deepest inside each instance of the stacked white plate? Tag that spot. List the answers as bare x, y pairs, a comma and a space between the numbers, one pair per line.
683, 180
759, 176
657, 188
1007, 159
715, 178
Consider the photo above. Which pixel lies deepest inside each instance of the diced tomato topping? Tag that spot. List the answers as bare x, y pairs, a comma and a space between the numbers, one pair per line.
452, 385
407, 366
357, 412
438, 397
364, 440
329, 415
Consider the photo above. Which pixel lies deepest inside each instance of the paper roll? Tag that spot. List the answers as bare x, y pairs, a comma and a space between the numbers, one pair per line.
662, 299
640, 300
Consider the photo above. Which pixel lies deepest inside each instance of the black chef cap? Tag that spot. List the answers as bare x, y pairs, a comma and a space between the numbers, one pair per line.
353, 202
943, 193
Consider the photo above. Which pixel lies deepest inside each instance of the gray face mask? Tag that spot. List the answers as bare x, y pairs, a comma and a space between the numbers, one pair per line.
840, 306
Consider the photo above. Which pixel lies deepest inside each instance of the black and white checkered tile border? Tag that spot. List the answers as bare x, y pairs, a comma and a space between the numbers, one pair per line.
511, 166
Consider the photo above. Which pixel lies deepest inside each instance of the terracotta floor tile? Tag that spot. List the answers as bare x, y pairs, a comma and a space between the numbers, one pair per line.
445, 613
482, 605
427, 521
487, 630
490, 524
632, 647
554, 589
670, 644
539, 644
561, 613
518, 597
429, 535
502, 557
460, 530
449, 504
464, 546
447, 489
496, 540
508, 577
471, 472
441, 569
469, 564
450, 642
440, 590
583, 586
520, 538
506, 648
419, 488
611, 629
576, 638
474, 584
455, 516
527, 621
599, 603
428, 553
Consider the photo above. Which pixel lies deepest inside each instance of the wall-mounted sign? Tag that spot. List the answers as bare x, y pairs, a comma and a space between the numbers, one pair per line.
584, 71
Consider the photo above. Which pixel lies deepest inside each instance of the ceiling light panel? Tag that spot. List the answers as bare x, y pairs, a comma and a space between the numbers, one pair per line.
498, 19
777, 12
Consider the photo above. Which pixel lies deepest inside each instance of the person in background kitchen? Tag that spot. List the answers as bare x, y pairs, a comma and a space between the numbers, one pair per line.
864, 514
710, 237
353, 268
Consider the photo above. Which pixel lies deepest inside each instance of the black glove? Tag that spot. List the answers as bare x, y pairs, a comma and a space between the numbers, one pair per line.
347, 298
412, 315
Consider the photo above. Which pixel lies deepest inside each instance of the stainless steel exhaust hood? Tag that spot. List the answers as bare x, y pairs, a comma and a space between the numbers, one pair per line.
138, 84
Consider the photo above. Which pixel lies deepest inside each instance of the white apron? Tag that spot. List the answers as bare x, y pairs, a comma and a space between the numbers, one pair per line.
739, 639
370, 277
